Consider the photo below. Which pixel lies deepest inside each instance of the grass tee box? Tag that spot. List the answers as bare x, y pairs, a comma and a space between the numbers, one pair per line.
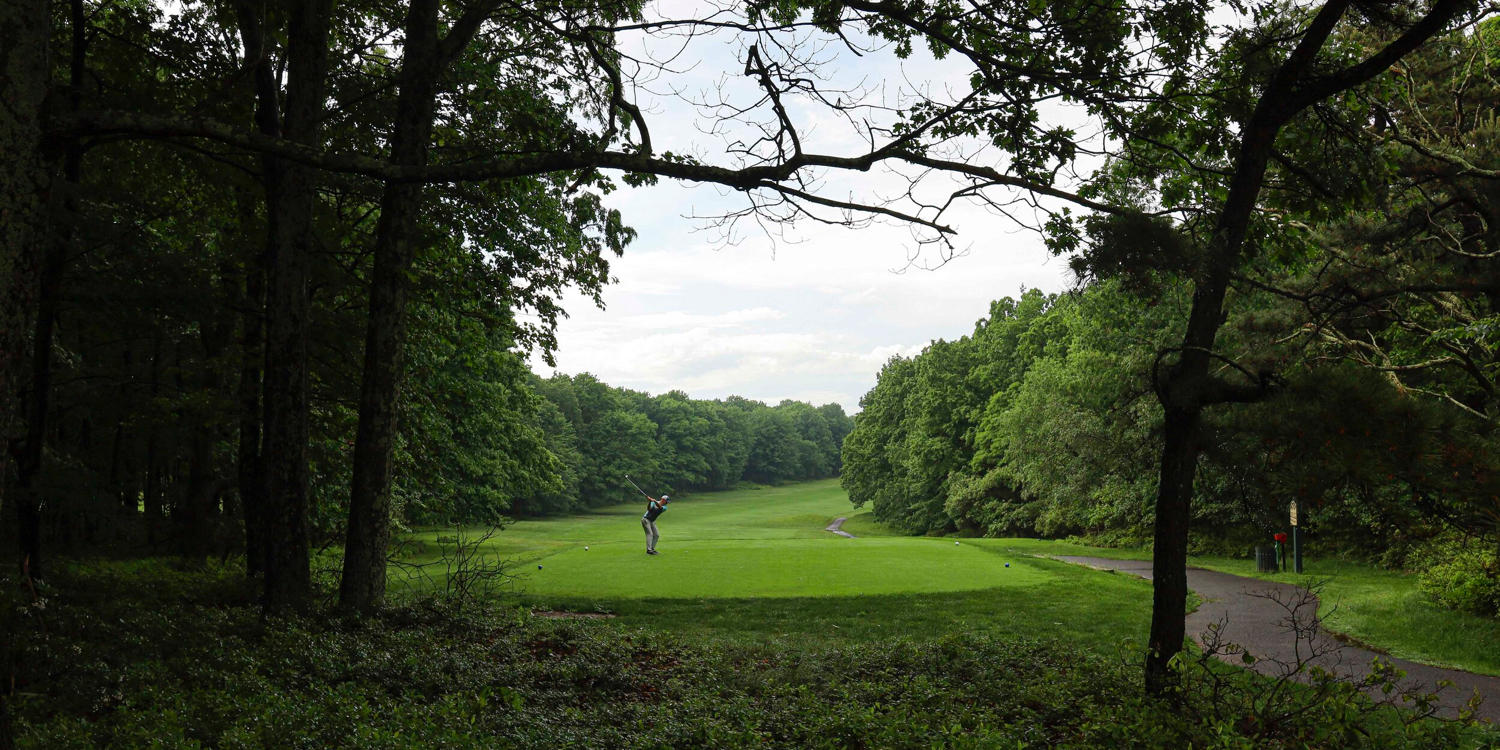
759, 564
734, 568
744, 544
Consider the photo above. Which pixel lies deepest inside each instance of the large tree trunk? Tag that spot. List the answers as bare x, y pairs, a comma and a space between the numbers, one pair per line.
288, 579
25, 182
284, 454
1169, 556
7, 734
200, 503
363, 585
151, 493
192, 514
153, 496
116, 451
249, 466
33, 445
1187, 389
38, 408
1188, 386
7, 678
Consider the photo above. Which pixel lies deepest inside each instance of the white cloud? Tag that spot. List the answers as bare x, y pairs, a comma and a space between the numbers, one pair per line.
868, 295
680, 319
811, 315
731, 353
882, 354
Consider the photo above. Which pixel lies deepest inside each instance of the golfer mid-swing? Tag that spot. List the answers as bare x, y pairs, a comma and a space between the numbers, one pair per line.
654, 508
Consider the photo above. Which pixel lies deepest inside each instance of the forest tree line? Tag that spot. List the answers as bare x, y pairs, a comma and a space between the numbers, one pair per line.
1041, 423
338, 212
150, 397
672, 443
1364, 331
253, 346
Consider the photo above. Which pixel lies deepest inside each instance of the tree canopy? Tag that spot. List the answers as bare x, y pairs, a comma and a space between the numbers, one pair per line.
299, 238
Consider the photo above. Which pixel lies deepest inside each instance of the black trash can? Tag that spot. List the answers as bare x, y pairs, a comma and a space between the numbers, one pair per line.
1265, 559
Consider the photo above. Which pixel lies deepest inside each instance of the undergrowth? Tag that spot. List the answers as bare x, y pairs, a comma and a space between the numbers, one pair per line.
117, 655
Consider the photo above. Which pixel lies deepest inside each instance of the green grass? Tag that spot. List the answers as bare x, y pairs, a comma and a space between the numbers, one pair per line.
799, 511
750, 568
157, 654
1085, 608
864, 524
758, 564
1380, 608
1384, 609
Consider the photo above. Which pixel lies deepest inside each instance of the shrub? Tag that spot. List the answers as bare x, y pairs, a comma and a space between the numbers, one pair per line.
1462, 575
142, 656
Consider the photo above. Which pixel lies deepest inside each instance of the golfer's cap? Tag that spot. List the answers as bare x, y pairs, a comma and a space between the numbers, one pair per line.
666, 499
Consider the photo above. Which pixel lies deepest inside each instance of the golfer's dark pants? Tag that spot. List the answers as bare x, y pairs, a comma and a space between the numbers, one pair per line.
651, 535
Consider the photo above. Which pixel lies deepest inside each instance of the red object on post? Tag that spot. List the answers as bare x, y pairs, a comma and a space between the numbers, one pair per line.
1279, 537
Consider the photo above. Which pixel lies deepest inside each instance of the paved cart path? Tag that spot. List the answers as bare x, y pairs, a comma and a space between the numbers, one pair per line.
1255, 621
837, 527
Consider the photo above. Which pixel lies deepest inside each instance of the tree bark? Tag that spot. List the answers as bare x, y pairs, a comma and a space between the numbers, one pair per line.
7, 734
249, 466
1185, 393
200, 503
1169, 589
116, 451
151, 492
194, 511
1189, 386
25, 184
32, 449
288, 578
363, 585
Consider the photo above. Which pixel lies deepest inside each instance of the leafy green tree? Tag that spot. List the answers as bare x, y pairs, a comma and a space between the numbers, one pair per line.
562, 442
686, 430
815, 446
1403, 283
1077, 443
913, 445
729, 446
618, 443
1203, 119
839, 427
776, 450
874, 452
332, 111
692, 444
473, 436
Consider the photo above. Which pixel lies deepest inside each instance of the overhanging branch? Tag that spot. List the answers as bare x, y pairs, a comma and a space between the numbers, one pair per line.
503, 166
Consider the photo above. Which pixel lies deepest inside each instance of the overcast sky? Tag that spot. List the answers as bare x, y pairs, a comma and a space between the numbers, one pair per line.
812, 315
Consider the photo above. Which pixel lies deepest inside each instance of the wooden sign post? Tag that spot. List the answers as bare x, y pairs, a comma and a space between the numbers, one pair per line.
1296, 541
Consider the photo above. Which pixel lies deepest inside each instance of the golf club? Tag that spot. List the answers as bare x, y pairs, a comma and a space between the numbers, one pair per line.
637, 487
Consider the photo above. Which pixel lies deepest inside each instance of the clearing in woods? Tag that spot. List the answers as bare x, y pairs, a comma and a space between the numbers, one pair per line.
759, 563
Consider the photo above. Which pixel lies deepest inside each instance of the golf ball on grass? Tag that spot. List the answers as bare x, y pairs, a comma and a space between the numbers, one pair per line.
538, 567
955, 544
1007, 565
585, 549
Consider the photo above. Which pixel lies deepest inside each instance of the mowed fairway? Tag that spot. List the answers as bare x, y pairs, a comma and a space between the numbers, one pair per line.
759, 563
